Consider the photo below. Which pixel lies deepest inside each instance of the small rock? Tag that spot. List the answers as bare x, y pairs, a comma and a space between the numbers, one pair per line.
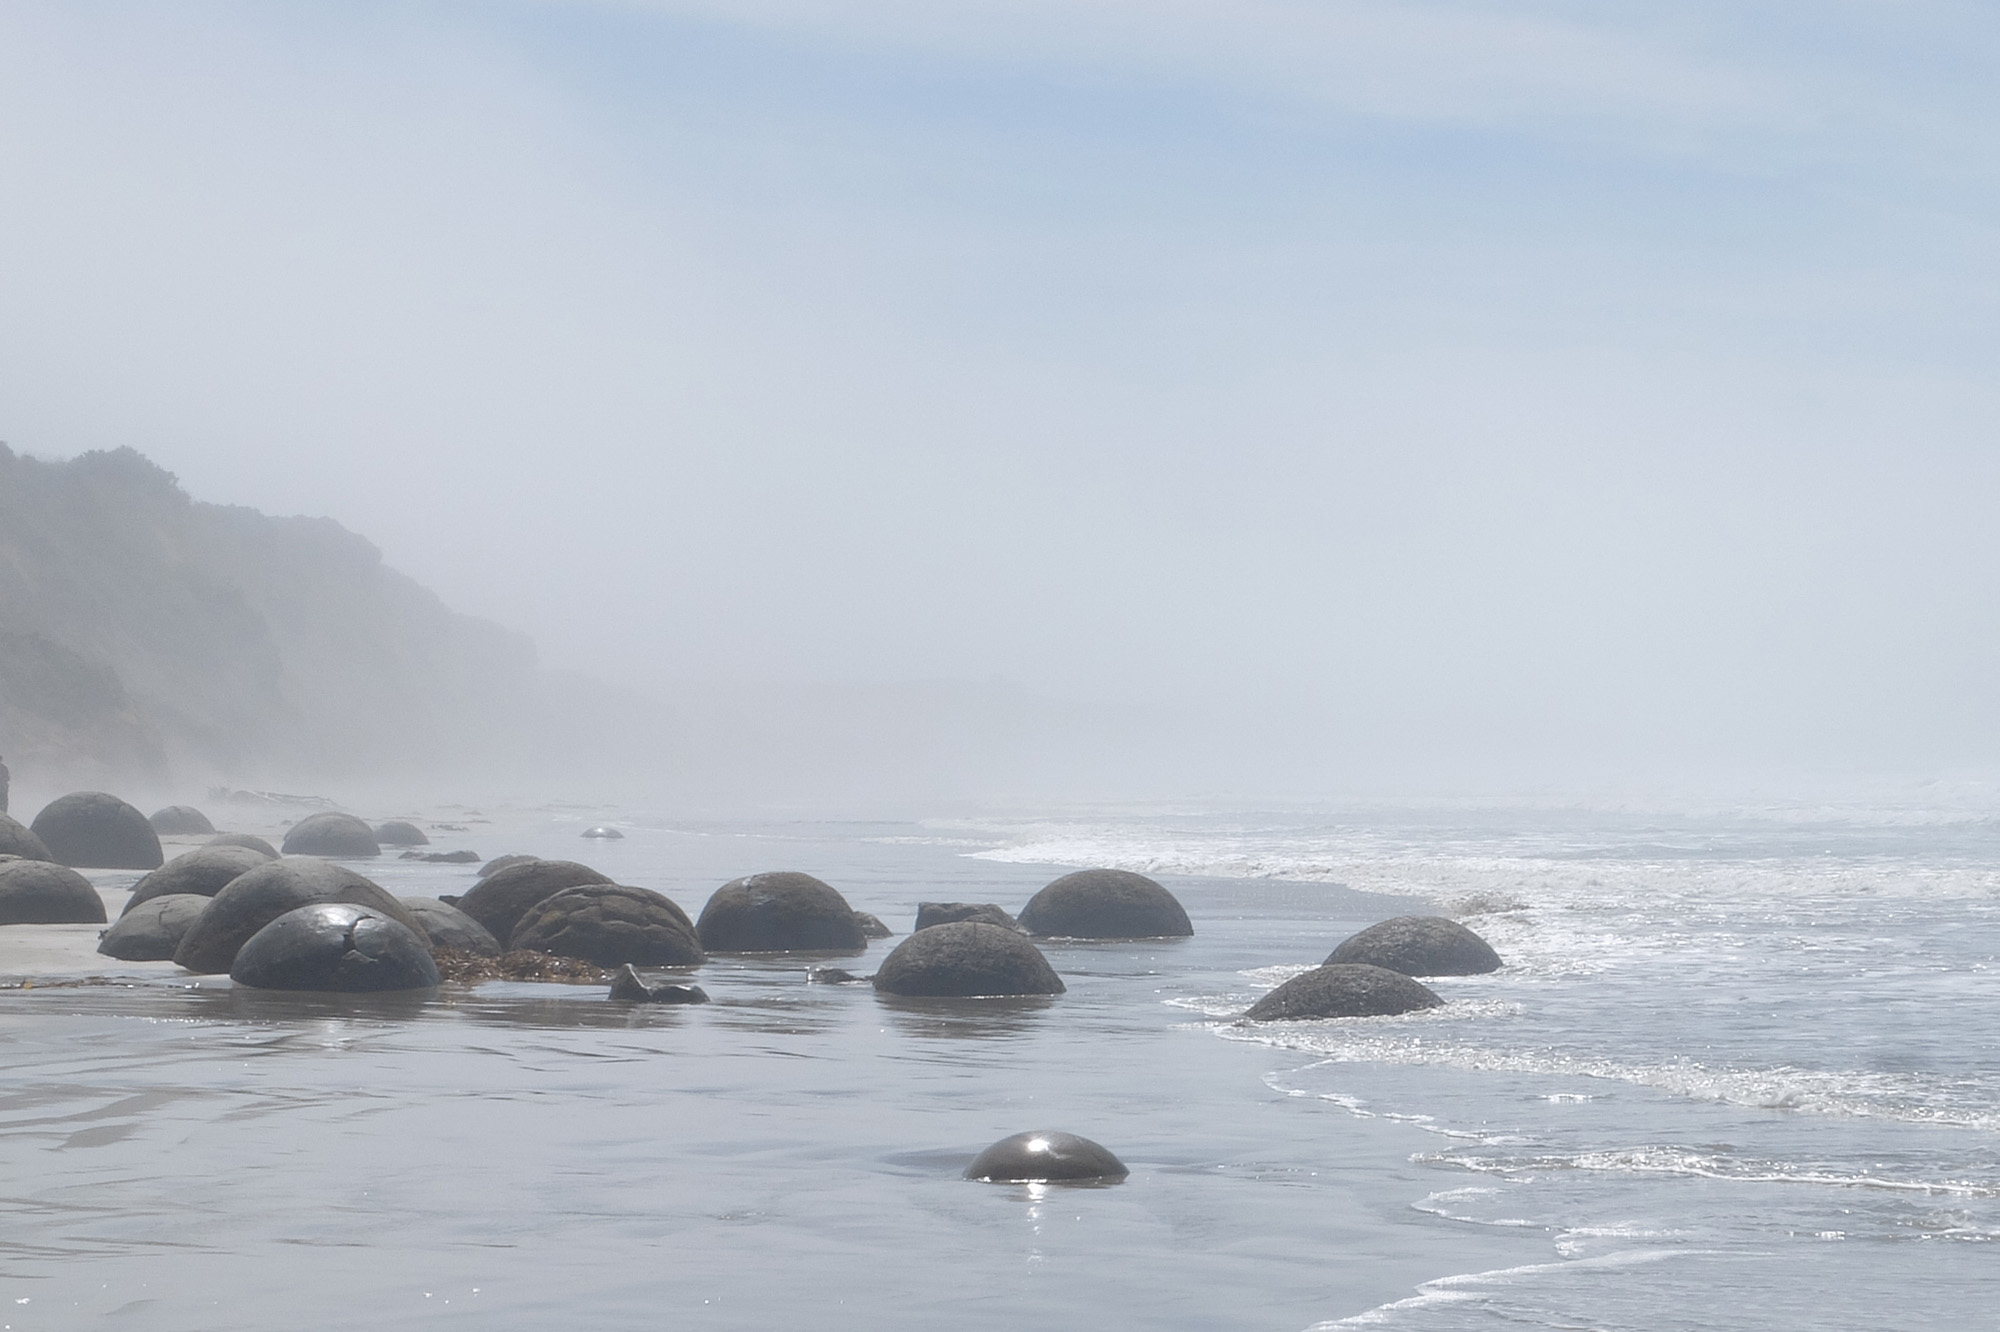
603, 831
872, 926
945, 913
834, 976
627, 984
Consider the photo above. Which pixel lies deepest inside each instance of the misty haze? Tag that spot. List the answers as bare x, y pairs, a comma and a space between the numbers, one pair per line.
646, 645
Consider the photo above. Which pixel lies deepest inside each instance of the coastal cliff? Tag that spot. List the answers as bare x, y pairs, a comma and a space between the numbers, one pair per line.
144, 633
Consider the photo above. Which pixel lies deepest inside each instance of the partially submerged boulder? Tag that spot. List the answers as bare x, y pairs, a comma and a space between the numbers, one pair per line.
154, 931
967, 958
40, 892
1105, 904
335, 946
604, 832
95, 830
255, 899
610, 924
1045, 1157
629, 984
250, 840
780, 912
945, 913
1343, 989
448, 927
499, 900
398, 832
16, 840
332, 834
202, 872
872, 926
1420, 946
180, 821
442, 857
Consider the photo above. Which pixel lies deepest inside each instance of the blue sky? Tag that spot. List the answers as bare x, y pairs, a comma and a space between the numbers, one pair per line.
1604, 382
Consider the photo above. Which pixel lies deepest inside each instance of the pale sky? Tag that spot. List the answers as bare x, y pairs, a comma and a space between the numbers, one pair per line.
1577, 380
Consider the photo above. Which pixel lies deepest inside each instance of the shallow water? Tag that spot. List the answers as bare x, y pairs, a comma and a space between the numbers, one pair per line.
1737, 1070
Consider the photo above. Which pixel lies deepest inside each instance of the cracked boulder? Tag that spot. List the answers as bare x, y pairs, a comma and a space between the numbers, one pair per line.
253, 900
335, 946
780, 912
154, 931
203, 872
499, 900
611, 925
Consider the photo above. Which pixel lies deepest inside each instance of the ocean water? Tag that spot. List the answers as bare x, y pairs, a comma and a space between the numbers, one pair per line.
1739, 1070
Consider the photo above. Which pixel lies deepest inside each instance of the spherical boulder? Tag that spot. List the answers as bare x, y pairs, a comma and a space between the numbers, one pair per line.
499, 900
1046, 1157
1105, 904
448, 927
603, 832
611, 925
154, 931
499, 863
204, 872
779, 912
944, 913
249, 840
335, 946
1343, 989
966, 958
16, 840
40, 892
1420, 946
254, 899
90, 829
398, 832
331, 834
180, 821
